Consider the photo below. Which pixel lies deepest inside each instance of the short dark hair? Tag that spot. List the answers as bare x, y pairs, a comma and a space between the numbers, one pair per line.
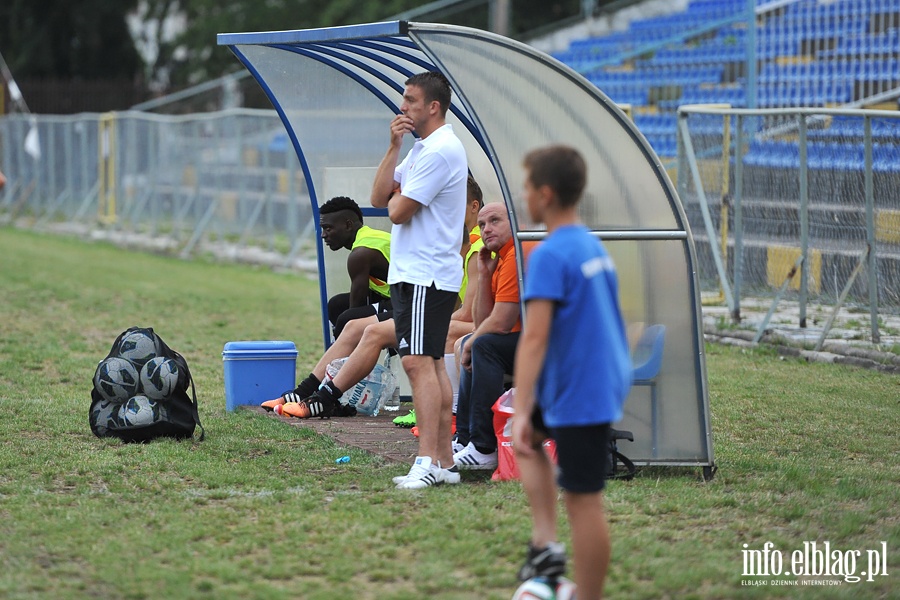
435, 87
339, 203
561, 168
473, 192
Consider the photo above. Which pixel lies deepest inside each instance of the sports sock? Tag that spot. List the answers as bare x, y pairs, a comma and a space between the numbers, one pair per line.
329, 391
484, 450
308, 386
453, 374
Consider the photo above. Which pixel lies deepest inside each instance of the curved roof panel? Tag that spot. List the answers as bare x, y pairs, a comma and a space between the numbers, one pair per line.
336, 90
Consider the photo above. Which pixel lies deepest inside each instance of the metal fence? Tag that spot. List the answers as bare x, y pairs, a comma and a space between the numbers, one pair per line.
794, 203
806, 202
228, 177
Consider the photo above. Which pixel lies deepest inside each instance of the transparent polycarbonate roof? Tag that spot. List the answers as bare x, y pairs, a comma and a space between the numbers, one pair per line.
336, 90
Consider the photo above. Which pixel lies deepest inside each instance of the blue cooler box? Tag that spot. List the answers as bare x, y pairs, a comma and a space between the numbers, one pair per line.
258, 371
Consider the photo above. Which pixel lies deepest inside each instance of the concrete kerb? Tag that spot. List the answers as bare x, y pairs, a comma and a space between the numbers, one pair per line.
162, 244
846, 342
832, 352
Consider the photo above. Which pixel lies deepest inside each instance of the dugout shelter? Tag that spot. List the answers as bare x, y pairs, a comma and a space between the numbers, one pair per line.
336, 90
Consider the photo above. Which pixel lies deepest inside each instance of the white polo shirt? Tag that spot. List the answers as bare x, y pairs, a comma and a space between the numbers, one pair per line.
425, 249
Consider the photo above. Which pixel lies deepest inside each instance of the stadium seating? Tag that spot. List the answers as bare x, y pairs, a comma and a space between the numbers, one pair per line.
808, 53
811, 53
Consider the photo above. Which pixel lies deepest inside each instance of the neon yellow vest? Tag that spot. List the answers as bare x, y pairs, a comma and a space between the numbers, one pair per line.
378, 240
477, 244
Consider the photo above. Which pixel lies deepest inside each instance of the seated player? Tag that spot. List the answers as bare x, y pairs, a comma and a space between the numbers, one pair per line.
363, 339
341, 222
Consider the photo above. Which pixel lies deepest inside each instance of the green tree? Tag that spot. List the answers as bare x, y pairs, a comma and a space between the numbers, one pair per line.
202, 59
153, 37
90, 39
67, 39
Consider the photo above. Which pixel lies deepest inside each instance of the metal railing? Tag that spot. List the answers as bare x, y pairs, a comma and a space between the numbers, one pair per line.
802, 202
226, 176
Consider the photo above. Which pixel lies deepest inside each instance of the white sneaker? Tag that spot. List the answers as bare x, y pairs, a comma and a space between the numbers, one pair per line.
450, 475
421, 478
455, 446
471, 459
419, 468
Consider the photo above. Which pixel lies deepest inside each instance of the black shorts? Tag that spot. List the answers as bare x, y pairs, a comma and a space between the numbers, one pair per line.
379, 305
582, 454
422, 318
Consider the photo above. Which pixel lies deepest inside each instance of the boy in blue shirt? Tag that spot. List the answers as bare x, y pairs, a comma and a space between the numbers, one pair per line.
573, 373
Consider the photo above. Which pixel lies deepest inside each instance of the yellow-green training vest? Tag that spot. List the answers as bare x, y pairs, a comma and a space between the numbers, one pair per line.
477, 244
378, 240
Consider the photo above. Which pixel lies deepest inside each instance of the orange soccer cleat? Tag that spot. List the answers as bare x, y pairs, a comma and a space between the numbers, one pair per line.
271, 404
285, 398
310, 407
415, 430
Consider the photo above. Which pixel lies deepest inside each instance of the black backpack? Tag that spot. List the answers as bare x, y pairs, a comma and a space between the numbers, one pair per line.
617, 459
140, 391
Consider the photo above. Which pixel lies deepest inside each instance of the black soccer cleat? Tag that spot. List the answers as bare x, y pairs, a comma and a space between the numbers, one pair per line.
549, 562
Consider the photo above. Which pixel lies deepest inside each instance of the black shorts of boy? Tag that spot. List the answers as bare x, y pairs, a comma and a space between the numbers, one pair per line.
422, 318
582, 454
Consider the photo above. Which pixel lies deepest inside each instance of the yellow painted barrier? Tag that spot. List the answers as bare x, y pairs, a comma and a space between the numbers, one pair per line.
781, 259
228, 205
106, 169
189, 175
250, 157
887, 226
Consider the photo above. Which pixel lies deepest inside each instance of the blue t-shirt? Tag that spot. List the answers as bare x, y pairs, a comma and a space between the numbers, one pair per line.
587, 370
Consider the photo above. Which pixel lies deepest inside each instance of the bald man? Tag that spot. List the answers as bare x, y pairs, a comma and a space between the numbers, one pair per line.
489, 352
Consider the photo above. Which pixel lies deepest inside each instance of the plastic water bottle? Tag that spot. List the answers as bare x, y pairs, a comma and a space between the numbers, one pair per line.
392, 404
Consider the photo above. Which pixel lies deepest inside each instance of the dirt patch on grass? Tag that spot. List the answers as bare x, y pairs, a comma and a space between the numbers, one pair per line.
376, 435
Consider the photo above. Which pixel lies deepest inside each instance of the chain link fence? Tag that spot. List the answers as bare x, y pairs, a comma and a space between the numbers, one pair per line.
805, 201
794, 204
185, 182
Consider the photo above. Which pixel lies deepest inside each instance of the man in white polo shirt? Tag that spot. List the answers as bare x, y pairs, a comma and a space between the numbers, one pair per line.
425, 195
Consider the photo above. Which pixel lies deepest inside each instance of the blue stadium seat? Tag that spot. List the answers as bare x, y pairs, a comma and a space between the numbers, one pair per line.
773, 153
664, 144
886, 158
811, 52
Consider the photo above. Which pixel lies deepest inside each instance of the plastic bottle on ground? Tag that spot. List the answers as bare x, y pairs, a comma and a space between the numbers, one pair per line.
392, 402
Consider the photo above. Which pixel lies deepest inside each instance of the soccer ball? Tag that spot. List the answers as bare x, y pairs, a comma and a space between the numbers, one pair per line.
140, 411
159, 377
138, 347
116, 379
103, 416
543, 588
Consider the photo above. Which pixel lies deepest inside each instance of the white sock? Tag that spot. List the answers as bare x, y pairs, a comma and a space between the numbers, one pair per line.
453, 374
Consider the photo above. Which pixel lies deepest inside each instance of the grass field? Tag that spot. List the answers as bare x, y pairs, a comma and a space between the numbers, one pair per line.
806, 452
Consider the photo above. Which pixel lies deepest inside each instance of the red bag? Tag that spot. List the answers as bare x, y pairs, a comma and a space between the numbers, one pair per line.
507, 468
